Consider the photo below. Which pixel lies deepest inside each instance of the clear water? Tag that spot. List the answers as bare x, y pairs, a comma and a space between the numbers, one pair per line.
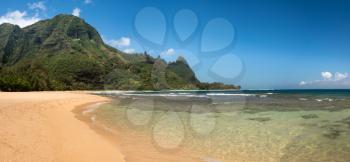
279, 125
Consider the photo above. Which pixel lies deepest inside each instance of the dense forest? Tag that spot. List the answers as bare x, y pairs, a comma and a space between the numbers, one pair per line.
66, 53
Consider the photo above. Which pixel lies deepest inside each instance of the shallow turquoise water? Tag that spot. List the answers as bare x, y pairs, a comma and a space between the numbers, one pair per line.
311, 125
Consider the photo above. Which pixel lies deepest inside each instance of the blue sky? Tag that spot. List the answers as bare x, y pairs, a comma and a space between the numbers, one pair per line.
270, 44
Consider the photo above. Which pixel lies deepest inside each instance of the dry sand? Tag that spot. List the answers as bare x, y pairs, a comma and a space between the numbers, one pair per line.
40, 126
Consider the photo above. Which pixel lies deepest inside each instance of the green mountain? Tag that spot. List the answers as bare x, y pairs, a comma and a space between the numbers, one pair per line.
66, 53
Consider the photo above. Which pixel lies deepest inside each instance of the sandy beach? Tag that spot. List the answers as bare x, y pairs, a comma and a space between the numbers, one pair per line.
40, 126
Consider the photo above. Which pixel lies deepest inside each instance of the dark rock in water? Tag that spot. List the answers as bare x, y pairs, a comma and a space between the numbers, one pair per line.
332, 130
332, 133
260, 119
345, 121
309, 124
309, 116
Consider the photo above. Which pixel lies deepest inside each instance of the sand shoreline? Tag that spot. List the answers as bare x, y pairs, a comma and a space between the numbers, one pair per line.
42, 126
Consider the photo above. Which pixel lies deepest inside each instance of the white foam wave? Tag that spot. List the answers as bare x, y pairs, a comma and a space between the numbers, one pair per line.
230, 94
166, 95
92, 108
93, 118
325, 99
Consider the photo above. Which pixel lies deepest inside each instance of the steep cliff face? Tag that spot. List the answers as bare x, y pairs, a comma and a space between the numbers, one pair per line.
62, 34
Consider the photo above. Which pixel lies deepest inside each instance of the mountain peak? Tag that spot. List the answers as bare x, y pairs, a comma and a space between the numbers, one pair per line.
181, 59
66, 16
68, 28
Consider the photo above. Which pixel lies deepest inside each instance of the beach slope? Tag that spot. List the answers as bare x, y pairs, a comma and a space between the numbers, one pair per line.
40, 126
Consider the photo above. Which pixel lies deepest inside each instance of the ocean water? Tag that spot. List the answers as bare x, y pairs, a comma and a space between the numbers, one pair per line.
265, 125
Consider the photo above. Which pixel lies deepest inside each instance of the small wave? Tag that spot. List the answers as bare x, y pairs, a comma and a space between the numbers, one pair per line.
184, 93
319, 100
325, 99
111, 92
93, 118
329, 99
167, 95
230, 94
92, 108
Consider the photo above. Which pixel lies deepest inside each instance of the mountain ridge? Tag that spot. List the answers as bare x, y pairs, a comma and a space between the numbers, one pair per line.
66, 53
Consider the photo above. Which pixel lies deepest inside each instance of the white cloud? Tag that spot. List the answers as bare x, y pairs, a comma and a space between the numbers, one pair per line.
302, 83
87, 1
129, 50
119, 43
76, 12
37, 6
19, 18
338, 80
340, 76
169, 51
327, 75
